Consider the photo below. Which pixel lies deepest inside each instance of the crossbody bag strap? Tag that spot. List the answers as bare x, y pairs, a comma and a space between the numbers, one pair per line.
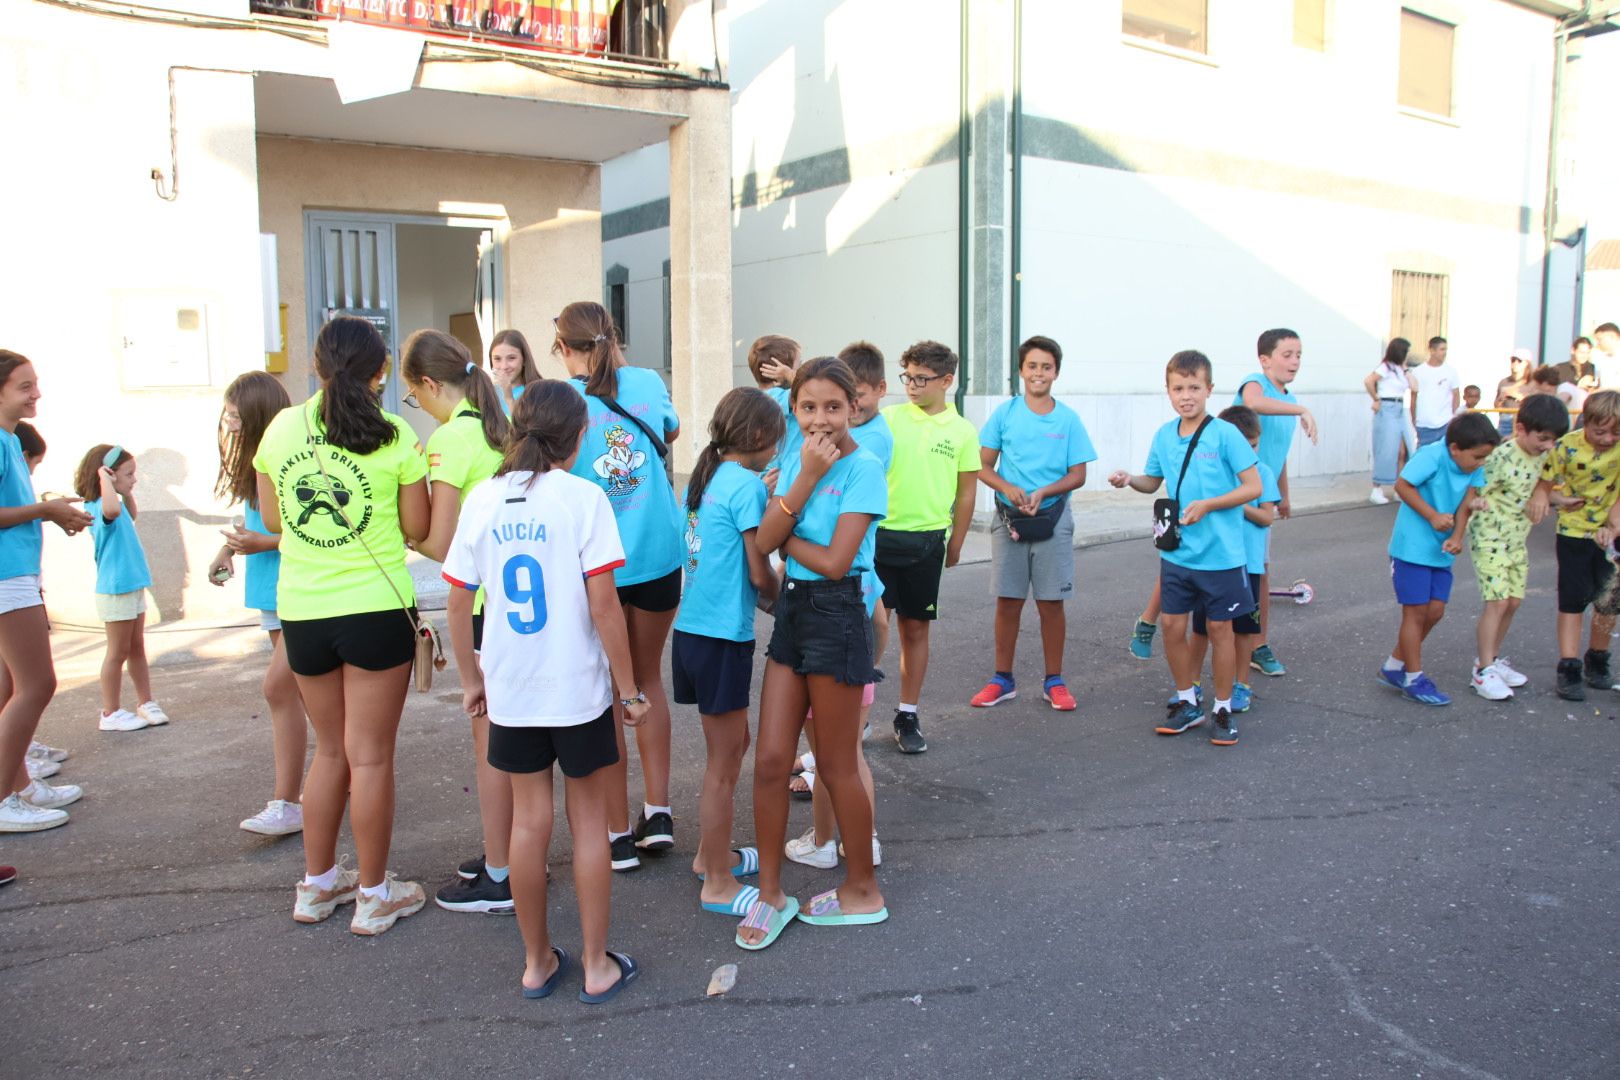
309, 431
1182, 478
613, 404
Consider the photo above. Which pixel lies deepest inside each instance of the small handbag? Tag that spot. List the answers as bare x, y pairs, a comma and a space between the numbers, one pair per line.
1167, 512
1033, 528
429, 655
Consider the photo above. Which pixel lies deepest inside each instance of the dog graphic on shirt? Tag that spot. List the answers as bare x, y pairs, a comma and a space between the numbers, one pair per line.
618, 466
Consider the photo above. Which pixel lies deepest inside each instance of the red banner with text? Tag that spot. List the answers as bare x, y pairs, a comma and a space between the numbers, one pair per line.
577, 28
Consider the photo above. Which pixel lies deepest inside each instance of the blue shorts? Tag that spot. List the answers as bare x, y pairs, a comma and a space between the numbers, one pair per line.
1416, 584
1243, 624
1222, 595
711, 673
1427, 435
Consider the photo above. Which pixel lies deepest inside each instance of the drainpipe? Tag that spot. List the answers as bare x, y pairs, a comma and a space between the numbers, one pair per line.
963, 210
1549, 211
1016, 252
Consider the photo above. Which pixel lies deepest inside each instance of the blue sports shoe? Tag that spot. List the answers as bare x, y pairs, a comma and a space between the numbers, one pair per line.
1142, 639
1180, 717
1395, 678
1423, 691
1265, 661
1174, 699
1242, 697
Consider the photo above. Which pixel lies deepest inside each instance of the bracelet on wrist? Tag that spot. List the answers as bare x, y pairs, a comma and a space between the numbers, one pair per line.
786, 509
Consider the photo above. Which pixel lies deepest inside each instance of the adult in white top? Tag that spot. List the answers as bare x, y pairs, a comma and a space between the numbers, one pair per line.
1436, 393
1606, 355
1393, 439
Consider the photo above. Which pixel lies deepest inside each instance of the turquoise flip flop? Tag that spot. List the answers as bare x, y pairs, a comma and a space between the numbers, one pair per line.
747, 863
738, 905
824, 911
764, 917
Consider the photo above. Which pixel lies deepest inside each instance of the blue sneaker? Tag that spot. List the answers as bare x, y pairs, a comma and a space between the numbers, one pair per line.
1142, 639
1423, 691
1265, 662
1242, 698
1180, 717
1173, 700
1395, 678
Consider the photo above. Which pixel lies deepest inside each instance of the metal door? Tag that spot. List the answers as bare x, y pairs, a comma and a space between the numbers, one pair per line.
489, 288
350, 267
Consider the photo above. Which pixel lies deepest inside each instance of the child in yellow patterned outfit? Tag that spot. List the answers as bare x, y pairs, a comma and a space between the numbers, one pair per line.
1586, 462
1498, 532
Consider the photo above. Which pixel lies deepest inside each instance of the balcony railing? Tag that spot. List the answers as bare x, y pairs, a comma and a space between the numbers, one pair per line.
632, 31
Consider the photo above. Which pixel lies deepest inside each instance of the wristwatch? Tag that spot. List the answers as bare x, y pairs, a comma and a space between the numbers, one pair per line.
639, 699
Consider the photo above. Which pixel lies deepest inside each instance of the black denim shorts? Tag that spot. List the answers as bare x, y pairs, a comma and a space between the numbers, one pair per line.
822, 629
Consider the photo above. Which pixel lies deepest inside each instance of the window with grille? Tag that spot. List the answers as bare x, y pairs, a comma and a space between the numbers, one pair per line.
1427, 45
1417, 308
1182, 23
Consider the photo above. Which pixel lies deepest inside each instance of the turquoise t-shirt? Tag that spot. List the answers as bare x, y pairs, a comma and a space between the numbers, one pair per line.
1434, 472
791, 436
854, 485
1215, 542
1255, 536
718, 600
874, 435
120, 560
1276, 432
19, 544
618, 457
262, 570
1035, 450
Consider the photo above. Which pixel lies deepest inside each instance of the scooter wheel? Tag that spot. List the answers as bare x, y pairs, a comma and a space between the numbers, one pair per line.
1303, 593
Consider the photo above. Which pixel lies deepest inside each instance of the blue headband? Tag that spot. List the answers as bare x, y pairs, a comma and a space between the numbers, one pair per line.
110, 458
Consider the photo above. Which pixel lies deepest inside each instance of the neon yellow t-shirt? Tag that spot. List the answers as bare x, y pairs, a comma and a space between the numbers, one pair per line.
459, 455
325, 570
930, 452
1585, 474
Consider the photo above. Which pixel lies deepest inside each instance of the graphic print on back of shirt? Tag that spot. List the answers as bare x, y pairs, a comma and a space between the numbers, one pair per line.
694, 542
620, 463
323, 517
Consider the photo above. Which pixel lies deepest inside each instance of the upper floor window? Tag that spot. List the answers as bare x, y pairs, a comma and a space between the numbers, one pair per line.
1183, 24
1310, 24
1426, 59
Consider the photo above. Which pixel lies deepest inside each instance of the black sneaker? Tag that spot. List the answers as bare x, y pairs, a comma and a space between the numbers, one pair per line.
1597, 669
1569, 680
624, 854
1224, 733
481, 894
656, 833
470, 869
908, 733
1180, 716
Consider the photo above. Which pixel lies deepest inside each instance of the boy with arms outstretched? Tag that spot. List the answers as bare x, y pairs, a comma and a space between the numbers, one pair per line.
1214, 471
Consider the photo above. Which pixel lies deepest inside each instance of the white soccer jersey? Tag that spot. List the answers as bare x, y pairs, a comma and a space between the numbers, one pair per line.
532, 549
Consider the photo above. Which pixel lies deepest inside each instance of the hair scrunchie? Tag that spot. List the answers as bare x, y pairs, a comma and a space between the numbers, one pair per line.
470, 366
598, 339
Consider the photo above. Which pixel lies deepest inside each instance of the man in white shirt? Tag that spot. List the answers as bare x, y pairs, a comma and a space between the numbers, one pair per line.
1436, 394
1606, 356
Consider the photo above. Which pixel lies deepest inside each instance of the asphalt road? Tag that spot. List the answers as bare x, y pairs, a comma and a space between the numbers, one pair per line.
1364, 888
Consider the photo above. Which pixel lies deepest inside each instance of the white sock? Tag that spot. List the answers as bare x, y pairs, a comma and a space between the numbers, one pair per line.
1413, 676
1393, 664
1223, 703
648, 809
322, 881
907, 708
375, 892
612, 836
1189, 695
497, 874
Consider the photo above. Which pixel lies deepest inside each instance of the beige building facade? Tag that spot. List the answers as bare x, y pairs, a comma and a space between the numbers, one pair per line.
186, 178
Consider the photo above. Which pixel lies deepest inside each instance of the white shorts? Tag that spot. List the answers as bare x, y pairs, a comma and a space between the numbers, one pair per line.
120, 607
20, 592
269, 621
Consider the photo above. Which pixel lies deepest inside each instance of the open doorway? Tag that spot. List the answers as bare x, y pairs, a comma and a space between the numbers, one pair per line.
436, 268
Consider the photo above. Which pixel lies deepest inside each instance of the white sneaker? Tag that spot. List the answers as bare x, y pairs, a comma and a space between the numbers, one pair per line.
1378, 498
313, 904
122, 720
877, 851
1489, 685
51, 797
49, 753
375, 914
1507, 674
803, 849
19, 815
152, 713
41, 768
278, 818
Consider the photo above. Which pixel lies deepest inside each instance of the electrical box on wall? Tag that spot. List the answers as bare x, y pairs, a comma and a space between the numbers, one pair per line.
164, 340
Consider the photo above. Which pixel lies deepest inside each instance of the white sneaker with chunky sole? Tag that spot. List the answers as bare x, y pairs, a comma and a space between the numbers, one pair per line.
375, 914
313, 904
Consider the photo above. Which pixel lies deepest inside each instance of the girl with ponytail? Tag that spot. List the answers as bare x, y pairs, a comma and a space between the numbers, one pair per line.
344, 483
464, 452
631, 424
713, 656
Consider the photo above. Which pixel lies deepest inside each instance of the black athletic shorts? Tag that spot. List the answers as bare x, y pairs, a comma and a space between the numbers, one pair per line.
659, 594
711, 673
478, 631
1243, 624
1585, 575
910, 564
822, 629
370, 640
580, 749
